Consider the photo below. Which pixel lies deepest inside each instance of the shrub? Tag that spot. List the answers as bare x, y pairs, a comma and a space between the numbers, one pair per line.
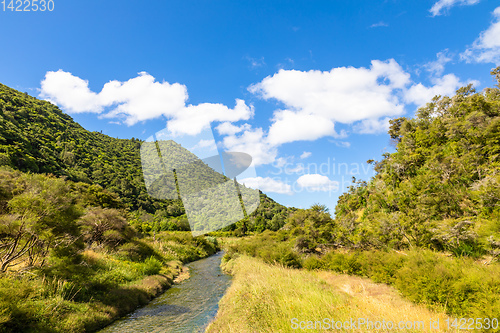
151, 266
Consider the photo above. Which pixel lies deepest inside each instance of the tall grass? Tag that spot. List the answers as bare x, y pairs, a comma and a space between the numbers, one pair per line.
265, 298
105, 284
463, 287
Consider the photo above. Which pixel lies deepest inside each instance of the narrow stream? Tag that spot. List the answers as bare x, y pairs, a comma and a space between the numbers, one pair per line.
186, 307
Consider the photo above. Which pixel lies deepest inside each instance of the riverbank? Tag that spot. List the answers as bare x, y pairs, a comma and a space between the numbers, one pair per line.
186, 307
267, 298
103, 285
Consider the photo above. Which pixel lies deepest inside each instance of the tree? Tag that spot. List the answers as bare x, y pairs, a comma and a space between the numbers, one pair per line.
40, 218
496, 73
105, 226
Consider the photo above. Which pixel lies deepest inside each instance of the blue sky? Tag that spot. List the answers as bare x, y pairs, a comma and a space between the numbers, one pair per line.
305, 87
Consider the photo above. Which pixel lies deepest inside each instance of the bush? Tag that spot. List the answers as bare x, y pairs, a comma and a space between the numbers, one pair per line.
465, 288
151, 266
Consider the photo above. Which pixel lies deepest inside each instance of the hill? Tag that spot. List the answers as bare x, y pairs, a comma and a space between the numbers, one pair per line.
36, 136
441, 188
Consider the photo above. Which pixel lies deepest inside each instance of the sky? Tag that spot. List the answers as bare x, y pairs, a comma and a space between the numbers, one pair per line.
306, 88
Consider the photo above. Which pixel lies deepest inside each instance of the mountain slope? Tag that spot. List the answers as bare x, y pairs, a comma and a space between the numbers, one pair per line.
440, 189
36, 136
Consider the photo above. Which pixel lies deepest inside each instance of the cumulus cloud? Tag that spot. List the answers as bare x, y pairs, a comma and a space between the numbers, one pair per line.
138, 99
305, 154
443, 5
291, 126
446, 85
228, 128
370, 126
486, 48
317, 99
254, 143
317, 183
192, 119
267, 184
312, 103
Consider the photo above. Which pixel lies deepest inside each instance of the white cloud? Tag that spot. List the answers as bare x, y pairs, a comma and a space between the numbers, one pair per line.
267, 184
192, 119
379, 24
436, 67
446, 85
371, 126
486, 48
305, 154
312, 103
289, 126
138, 99
70, 92
442, 5
254, 143
317, 183
343, 144
228, 128
314, 100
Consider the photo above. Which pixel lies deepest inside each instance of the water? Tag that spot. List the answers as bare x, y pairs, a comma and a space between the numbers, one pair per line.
186, 307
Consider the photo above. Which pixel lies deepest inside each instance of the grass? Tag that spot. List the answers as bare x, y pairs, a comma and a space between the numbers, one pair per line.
464, 287
103, 285
265, 298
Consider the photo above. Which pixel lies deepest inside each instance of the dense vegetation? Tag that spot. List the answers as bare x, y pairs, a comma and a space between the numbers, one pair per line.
68, 263
440, 189
461, 286
37, 137
428, 222
81, 240
267, 298
79, 232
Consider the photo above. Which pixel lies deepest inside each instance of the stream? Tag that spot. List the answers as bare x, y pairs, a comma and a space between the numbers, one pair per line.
186, 307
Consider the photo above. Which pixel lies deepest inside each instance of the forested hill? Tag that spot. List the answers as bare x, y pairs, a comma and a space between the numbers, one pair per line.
37, 136
441, 188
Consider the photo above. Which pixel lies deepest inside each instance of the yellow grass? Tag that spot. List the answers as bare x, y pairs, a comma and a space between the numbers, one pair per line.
265, 298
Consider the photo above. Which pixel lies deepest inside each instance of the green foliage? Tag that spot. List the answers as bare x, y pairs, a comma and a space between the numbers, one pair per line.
35, 136
70, 259
152, 266
39, 217
88, 294
465, 288
105, 226
440, 189
269, 246
462, 286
